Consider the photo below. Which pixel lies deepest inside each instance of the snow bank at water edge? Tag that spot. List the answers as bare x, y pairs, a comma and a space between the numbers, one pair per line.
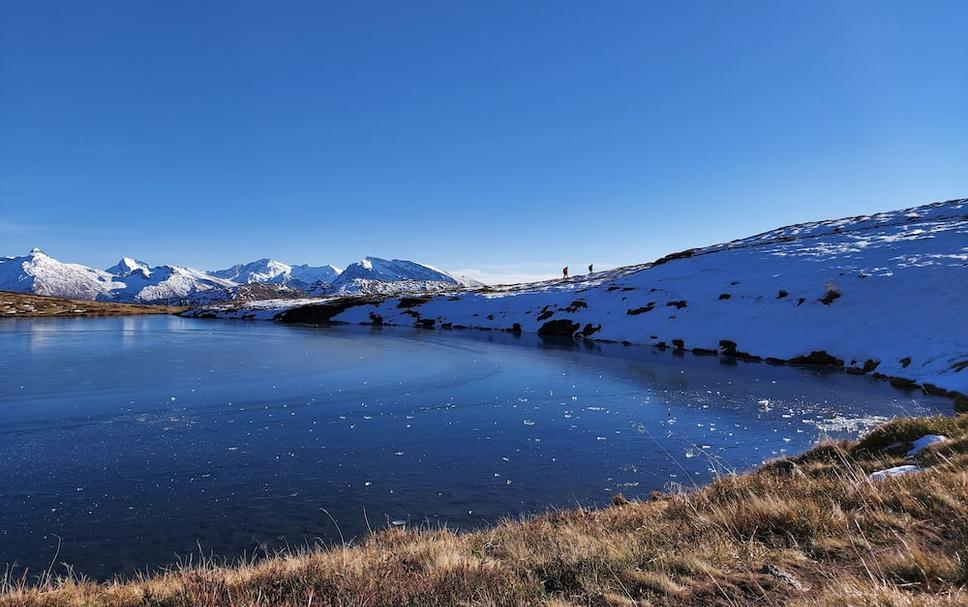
882, 294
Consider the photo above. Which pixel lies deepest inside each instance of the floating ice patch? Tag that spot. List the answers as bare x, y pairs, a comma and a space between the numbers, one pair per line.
895, 471
840, 423
922, 443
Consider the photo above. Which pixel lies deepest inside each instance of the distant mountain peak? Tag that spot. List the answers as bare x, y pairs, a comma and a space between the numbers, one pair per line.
376, 275
127, 265
273, 271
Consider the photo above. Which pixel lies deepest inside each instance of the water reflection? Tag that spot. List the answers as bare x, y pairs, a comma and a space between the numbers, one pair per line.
235, 434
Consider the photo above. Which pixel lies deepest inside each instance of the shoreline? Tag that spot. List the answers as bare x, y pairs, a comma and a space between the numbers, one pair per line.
817, 527
302, 315
25, 305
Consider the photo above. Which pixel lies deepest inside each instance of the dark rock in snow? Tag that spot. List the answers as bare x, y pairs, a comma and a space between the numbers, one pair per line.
410, 302
636, 311
830, 296
575, 306
818, 357
321, 312
673, 256
561, 327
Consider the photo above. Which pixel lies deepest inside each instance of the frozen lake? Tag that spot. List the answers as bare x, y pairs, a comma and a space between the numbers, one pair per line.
131, 441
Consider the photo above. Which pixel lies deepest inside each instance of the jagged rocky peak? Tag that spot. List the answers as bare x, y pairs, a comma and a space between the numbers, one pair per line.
127, 265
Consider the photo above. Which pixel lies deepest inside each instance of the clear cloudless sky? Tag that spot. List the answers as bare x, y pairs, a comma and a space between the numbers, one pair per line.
504, 138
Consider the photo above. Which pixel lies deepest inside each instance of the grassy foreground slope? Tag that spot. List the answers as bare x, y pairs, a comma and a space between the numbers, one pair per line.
22, 305
809, 530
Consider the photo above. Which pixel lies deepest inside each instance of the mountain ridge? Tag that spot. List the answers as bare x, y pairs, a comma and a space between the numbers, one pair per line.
133, 280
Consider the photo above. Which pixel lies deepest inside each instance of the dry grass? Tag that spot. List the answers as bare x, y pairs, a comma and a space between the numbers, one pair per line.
23, 305
806, 531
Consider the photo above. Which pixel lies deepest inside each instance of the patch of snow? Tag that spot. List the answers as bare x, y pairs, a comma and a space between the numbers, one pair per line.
895, 471
925, 441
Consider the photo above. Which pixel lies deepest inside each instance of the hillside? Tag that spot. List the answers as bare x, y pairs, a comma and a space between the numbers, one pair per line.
22, 305
40, 274
875, 294
818, 529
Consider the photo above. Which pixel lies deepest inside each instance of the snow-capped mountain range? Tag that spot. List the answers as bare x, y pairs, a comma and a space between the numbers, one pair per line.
270, 271
134, 280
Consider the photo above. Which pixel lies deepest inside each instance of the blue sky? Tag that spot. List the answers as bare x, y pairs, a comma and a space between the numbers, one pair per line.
510, 138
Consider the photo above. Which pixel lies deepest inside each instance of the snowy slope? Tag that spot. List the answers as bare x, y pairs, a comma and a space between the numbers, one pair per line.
172, 284
261, 270
41, 274
305, 275
885, 293
271, 271
373, 275
128, 280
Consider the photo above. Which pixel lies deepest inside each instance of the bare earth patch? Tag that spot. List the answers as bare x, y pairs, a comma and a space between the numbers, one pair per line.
22, 305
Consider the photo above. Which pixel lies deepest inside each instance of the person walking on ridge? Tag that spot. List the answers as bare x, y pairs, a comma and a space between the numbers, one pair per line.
590, 266
564, 272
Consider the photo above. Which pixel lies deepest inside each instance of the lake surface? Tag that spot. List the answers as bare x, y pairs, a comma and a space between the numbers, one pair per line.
132, 441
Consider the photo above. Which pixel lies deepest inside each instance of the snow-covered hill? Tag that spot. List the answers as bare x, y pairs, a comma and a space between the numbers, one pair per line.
271, 271
884, 293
